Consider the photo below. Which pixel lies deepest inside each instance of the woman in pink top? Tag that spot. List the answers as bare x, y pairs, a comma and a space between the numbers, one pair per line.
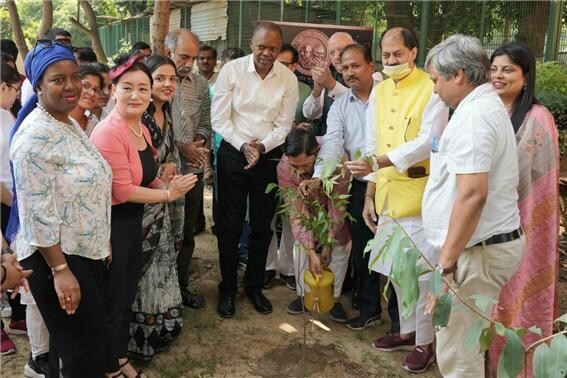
297, 164
126, 144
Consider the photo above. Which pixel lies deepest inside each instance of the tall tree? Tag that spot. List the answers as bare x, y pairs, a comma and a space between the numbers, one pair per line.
46, 18
160, 26
92, 30
533, 22
17, 27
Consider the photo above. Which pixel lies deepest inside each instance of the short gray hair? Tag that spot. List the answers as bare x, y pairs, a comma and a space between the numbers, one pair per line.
460, 52
171, 40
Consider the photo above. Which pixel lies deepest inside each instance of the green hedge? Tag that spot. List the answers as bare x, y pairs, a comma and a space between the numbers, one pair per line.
551, 91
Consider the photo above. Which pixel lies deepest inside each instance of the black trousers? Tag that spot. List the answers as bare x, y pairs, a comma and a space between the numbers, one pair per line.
79, 340
234, 186
18, 309
193, 205
367, 282
121, 284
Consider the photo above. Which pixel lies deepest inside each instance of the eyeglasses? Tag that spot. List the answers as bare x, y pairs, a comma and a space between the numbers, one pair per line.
87, 87
18, 89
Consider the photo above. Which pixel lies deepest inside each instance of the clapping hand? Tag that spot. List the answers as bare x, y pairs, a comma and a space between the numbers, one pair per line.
180, 185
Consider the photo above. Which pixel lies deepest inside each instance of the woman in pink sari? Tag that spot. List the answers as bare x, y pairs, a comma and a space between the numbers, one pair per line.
529, 298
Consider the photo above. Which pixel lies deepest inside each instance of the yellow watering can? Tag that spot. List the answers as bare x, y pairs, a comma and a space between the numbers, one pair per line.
320, 296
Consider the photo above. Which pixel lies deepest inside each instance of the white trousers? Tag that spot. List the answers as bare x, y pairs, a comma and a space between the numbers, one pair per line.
338, 265
417, 322
37, 331
281, 259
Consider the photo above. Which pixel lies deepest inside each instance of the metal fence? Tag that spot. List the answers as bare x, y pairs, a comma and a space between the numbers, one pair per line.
540, 24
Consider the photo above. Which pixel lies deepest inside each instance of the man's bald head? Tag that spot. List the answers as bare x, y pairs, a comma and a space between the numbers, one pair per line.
267, 26
337, 43
182, 46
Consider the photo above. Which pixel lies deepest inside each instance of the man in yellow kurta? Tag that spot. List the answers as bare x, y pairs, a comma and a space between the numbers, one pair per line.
398, 129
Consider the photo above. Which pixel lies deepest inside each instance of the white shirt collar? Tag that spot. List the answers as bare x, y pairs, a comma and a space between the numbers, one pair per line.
479, 91
252, 68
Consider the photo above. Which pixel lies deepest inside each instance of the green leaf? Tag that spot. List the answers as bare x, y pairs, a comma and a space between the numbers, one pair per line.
271, 186
557, 361
442, 311
486, 338
512, 358
535, 329
500, 329
473, 334
520, 331
483, 302
562, 318
436, 282
541, 356
357, 154
369, 246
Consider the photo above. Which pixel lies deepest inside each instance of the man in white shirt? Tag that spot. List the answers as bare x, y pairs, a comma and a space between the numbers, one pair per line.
328, 84
469, 207
253, 109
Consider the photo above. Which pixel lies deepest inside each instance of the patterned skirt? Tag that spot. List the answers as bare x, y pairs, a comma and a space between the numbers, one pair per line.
157, 318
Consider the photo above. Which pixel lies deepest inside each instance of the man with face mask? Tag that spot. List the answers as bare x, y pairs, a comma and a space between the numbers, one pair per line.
328, 83
403, 111
191, 112
253, 108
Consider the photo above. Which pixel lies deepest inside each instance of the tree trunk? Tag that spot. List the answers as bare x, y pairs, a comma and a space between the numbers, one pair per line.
46, 18
92, 30
160, 26
533, 23
17, 28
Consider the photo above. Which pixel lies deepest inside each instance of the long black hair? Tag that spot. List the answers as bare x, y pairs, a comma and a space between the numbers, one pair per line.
301, 139
9, 74
156, 61
523, 57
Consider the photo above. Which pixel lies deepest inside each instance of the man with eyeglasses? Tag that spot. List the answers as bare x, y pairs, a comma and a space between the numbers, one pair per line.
253, 108
289, 57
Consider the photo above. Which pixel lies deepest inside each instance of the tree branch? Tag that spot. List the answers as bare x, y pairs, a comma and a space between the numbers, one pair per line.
79, 26
46, 18
17, 28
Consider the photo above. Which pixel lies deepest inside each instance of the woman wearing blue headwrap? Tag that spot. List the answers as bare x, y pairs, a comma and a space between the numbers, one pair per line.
61, 213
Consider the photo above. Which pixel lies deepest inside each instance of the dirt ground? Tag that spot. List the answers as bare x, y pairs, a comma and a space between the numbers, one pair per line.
254, 345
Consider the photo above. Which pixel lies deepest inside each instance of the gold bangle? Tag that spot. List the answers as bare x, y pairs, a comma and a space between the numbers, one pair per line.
165, 193
59, 268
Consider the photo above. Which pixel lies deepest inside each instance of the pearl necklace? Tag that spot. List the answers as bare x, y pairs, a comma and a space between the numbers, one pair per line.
49, 115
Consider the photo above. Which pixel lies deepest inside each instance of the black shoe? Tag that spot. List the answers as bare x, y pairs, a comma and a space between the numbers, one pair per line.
289, 281
337, 313
260, 302
38, 368
192, 300
268, 277
296, 307
226, 308
199, 228
362, 321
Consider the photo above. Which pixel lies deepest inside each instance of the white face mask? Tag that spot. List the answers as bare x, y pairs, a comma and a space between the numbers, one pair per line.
398, 71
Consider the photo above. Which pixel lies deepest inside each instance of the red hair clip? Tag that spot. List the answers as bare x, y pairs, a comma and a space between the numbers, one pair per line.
119, 70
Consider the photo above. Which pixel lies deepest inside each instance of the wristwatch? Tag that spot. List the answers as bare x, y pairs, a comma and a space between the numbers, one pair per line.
444, 271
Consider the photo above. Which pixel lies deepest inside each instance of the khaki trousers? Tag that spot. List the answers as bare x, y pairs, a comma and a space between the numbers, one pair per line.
480, 270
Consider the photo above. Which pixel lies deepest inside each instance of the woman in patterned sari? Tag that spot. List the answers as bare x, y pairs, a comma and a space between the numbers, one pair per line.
158, 319
529, 298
